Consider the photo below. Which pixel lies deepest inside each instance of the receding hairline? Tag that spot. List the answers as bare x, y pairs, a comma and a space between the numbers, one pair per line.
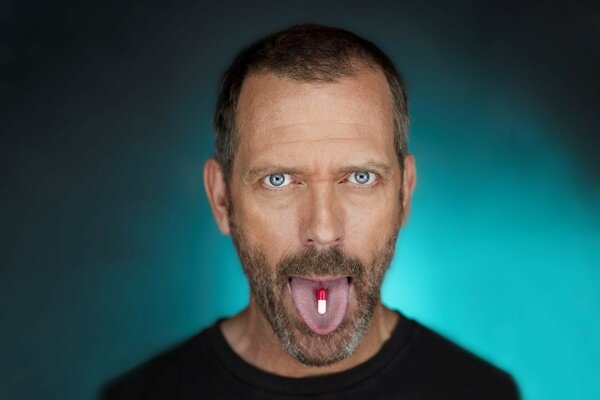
359, 71
354, 63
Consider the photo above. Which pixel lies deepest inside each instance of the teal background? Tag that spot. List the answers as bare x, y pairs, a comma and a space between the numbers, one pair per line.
110, 253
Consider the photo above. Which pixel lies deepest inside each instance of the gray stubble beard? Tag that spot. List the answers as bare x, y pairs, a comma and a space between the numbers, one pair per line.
268, 290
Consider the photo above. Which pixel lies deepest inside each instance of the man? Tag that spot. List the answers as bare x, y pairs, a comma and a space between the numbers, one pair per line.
313, 180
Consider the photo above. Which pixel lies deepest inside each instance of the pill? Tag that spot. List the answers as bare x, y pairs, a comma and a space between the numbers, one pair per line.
322, 301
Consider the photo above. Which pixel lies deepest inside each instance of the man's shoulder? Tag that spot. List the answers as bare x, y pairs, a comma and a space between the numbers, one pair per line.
453, 369
165, 372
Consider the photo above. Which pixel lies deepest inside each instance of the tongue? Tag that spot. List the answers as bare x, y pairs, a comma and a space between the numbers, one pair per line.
305, 301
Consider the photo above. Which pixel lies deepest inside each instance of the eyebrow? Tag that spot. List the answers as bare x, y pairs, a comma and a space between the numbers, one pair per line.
254, 173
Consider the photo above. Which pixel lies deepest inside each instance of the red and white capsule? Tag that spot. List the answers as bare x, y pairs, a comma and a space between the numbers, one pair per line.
322, 301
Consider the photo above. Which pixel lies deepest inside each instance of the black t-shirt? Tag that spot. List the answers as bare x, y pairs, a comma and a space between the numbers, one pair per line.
414, 363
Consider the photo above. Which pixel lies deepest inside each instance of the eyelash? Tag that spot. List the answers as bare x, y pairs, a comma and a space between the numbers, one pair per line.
275, 188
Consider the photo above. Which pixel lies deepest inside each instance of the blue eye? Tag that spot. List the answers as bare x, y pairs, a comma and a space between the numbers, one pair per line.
277, 180
362, 177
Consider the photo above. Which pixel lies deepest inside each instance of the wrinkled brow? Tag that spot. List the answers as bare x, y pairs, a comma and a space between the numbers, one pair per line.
252, 174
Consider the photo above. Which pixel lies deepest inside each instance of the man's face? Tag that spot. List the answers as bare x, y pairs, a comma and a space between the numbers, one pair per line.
315, 194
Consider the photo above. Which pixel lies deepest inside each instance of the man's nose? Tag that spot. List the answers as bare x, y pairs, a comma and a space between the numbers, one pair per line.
322, 217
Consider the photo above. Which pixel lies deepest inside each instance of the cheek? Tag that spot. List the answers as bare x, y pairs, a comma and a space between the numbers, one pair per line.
270, 224
369, 224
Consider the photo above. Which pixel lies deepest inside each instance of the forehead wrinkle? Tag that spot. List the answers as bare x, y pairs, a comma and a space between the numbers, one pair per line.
267, 100
327, 128
290, 155
320, 153
311, 141
268, 123
330, 131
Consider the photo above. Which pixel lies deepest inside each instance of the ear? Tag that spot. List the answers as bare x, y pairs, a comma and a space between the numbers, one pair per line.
408, 185
214, 184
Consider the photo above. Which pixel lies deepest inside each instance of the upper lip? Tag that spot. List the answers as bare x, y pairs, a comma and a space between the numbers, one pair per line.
322, 278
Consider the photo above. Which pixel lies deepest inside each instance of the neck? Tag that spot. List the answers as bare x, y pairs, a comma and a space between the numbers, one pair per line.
251, 337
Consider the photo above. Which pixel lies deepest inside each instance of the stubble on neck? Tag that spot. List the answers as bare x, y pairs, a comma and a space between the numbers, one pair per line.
251, 337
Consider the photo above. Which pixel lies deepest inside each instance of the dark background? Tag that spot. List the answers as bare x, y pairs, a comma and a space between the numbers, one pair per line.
109, 250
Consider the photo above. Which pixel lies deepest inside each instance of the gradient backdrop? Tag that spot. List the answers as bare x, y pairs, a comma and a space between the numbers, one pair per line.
109, 250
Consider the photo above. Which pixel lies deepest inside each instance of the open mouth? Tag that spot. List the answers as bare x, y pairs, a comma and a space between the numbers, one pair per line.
321, 279
321, 302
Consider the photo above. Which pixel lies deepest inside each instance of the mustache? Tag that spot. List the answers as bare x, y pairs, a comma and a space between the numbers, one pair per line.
312, 262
